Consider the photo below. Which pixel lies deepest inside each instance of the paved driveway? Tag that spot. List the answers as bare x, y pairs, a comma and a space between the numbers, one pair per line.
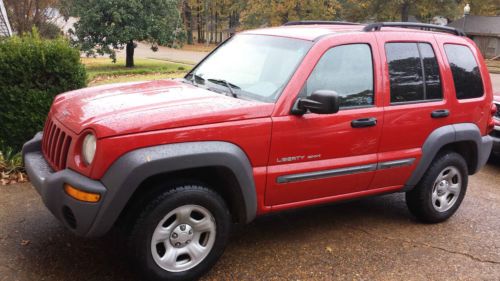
144, 51
371, 239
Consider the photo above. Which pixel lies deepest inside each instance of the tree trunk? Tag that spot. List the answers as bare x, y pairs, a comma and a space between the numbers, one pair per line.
215, 27
405, 10
211, 27
188, 21
200, 25
130, 54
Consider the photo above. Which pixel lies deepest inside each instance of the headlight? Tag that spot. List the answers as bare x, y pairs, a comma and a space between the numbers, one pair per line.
88, 148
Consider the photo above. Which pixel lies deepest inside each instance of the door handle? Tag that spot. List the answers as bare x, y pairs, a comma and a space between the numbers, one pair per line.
440, 113
364, 122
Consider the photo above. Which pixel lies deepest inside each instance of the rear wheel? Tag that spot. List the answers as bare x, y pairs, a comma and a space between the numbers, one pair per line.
441, 190
181, 234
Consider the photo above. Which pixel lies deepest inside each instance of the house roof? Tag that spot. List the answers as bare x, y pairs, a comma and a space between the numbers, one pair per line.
479, 25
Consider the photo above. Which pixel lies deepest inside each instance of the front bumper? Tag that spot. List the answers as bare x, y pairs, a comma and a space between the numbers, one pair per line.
77, 215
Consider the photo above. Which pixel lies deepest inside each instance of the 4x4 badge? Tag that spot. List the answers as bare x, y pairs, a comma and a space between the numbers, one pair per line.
297, 158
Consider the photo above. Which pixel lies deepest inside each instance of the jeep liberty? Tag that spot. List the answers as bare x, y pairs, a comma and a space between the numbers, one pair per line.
273, 119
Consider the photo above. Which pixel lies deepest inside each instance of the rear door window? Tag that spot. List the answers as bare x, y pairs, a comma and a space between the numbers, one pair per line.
413, 72
466, 74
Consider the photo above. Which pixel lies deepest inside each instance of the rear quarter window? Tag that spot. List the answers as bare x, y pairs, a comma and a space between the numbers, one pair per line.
465, 71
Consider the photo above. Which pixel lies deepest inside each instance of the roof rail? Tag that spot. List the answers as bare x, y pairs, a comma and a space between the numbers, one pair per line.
423, 26
313, 22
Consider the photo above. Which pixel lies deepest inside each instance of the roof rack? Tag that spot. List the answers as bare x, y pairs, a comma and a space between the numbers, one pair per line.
320, 22
423, 26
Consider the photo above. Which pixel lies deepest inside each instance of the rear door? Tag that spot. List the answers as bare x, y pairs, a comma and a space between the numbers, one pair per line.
415, 104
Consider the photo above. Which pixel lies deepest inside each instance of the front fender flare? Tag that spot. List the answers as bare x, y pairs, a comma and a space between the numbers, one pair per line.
127, 173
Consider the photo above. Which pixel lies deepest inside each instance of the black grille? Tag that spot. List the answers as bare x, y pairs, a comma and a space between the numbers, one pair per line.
497, 114
55, 145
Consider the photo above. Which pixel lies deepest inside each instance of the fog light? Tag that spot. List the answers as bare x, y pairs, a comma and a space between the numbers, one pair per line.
81, 195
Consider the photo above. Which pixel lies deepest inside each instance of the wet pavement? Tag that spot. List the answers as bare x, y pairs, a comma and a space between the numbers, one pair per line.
370, 239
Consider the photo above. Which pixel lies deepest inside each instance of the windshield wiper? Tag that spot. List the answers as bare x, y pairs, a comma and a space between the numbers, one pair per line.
193, 78
227, 84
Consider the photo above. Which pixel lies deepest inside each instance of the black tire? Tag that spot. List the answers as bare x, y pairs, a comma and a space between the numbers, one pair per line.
419, 200
140, 239
494, 158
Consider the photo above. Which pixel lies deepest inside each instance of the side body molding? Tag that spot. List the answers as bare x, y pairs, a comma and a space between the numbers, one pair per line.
447, 135
129, 171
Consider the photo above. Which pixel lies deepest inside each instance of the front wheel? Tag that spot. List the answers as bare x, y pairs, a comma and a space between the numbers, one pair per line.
441, 190
181, 234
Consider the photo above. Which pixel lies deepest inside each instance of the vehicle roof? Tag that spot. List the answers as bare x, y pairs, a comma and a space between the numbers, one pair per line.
314, 31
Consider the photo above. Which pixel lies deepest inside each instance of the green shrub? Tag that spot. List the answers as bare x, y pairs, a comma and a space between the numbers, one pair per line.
32, 72
49, 30
10, 161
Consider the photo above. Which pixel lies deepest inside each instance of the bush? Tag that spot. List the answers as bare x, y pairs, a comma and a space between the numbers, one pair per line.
32, 72
49, 30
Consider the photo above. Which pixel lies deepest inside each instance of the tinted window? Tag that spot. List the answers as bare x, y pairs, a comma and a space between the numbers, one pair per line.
413, 72
431, 72
405, 72
347, 70
466, 75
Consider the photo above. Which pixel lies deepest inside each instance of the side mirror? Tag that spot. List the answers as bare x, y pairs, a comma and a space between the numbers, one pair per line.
319, 102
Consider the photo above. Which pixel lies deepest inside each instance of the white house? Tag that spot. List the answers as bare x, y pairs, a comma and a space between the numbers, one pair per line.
5, 29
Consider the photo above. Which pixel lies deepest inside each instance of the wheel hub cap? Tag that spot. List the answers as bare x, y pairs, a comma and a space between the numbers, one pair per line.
442, 187
181, 236
447, 188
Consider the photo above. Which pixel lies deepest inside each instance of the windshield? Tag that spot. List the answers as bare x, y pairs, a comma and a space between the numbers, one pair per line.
251, 66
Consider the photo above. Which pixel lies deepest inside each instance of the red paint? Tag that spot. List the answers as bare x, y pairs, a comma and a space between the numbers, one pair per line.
129, 116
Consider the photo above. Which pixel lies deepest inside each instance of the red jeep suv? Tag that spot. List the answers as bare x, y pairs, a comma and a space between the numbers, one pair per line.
273, 119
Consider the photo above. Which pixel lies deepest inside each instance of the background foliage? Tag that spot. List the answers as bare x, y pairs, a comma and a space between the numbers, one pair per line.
106, 25
208, 19
32, 72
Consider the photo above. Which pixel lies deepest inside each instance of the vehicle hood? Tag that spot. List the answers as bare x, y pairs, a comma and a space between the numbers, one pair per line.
126, 108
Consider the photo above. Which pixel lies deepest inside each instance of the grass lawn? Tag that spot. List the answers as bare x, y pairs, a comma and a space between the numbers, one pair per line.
493, 66
103, 70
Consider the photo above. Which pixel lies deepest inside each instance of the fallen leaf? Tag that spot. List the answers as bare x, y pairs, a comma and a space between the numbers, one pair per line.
25, 242
21, 177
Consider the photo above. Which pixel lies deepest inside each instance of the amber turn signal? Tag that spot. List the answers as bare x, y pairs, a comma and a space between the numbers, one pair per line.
81, 195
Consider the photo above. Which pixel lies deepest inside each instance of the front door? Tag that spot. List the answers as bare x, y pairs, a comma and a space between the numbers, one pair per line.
315, 157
